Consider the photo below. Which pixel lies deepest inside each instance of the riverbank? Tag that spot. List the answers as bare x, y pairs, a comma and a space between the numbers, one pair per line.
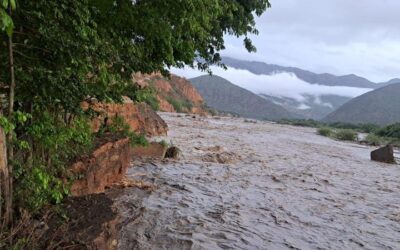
254, 185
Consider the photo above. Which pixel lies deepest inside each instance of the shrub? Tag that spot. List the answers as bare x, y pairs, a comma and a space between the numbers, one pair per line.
346, 134
147, 95
176, 104
300, 122
164, 143
53, 144
324, 131
392, 131
374, 140
119, 126
364, 128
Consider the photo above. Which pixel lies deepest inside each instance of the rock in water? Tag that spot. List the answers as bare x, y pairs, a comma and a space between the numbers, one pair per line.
173, 152
384, 154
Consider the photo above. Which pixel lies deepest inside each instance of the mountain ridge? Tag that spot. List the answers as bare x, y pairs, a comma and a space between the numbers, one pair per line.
225, 96
327, 79
380, 106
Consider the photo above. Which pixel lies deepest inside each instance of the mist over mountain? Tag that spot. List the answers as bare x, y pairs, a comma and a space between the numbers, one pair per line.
261, 68
224, 96
302, 92
314, 107
381, 106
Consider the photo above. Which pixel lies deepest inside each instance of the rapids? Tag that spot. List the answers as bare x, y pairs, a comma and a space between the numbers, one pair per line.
259, 185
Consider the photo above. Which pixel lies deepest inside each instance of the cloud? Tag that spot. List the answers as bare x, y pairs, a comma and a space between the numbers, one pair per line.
333, 36
303, 106
279, 85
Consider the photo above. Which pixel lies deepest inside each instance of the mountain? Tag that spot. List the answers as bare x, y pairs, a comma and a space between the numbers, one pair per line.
395, 80
316, 105
261, 68
381, 106
311, 107
224, 96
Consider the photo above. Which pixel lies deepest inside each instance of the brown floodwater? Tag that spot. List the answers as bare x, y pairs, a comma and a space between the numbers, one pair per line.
245, 185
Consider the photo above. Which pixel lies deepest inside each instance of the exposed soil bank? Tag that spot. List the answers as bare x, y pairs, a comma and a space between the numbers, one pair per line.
246, 185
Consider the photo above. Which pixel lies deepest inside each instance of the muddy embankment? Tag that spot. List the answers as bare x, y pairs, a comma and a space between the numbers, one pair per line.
260, 185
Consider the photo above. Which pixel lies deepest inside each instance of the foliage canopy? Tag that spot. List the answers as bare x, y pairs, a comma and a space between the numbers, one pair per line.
63, 52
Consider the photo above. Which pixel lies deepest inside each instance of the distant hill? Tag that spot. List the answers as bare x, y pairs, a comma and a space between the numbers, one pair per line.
224, 96
380, 106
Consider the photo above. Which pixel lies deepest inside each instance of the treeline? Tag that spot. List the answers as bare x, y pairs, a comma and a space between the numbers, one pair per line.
56, 54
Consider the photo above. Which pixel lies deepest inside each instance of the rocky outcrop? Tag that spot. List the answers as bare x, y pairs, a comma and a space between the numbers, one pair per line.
153, 151
186, 89
384, 154
165, 106
111, 158
106, 165
150, 123
139, 116
173, 91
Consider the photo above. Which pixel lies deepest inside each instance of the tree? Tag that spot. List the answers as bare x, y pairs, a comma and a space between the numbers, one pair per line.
6, 150
63, 52
149, 36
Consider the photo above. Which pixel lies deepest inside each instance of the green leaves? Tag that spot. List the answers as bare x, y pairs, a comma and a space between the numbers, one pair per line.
6, 22
67, 51
6, 124
170, 33
7, 3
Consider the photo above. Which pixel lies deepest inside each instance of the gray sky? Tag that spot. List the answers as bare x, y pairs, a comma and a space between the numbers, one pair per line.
334, 36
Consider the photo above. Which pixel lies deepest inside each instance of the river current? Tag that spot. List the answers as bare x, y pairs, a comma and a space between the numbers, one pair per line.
258, 185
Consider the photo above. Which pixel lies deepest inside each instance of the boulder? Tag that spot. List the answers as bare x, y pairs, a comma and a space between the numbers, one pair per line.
153, 151
173, 153
384, 154
106, 165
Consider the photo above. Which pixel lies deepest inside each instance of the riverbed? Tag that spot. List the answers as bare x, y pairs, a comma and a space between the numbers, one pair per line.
242, 184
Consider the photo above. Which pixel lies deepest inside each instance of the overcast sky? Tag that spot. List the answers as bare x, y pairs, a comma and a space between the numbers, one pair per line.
334, 36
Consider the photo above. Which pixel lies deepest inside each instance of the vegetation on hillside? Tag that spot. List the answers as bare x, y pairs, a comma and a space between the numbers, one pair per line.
56, 54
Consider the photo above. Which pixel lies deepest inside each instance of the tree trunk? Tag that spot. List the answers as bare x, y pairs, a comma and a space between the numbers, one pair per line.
10, 150
4, 180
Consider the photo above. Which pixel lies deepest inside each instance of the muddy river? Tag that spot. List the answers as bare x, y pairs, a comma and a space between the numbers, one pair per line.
246, 185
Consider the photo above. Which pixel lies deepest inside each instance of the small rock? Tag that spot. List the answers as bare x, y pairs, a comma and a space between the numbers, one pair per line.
173, 153
384, 154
